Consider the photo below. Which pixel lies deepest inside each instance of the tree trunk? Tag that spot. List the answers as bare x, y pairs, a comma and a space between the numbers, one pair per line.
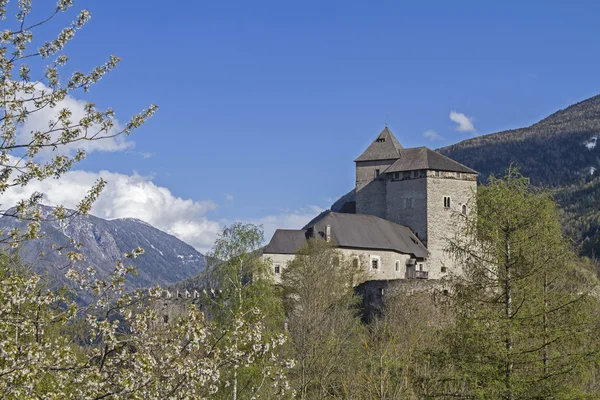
508, 309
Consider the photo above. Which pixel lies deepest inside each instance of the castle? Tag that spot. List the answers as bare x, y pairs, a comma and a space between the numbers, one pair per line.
400, 218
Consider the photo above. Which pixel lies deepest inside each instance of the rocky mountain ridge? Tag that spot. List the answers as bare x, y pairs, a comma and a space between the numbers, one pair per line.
166, 260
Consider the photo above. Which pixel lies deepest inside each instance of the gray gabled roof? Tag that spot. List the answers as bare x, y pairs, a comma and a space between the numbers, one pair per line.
286, 241
371, 232
358, 231
384, 147
424, 158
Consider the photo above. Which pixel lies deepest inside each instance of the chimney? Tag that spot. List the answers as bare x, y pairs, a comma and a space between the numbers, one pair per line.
328, 234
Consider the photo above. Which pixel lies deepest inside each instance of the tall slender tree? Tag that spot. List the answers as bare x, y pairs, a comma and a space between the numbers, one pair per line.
523, 303
323, 320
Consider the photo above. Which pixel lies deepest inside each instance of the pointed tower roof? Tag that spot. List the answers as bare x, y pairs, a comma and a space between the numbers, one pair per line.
384, 147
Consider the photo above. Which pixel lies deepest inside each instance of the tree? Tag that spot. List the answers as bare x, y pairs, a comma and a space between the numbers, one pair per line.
523, 305
242, 293
126, 351
393, 343
323, 320
25, 91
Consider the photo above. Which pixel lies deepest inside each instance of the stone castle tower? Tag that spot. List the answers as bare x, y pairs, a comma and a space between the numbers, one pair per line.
418, 188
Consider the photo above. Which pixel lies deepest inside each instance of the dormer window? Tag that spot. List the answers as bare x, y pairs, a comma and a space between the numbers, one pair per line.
380, 140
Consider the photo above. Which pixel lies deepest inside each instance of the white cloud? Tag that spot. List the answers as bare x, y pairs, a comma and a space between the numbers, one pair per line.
132, 196
136, 196
228, 197
38, 121
432, 135
465, 124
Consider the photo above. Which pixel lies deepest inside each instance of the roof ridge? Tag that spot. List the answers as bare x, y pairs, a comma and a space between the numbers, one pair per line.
384, 147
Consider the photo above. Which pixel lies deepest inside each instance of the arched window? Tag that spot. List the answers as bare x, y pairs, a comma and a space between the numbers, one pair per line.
464, 209
446, 201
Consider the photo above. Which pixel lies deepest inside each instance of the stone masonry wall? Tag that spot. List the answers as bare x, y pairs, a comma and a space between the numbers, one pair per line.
441, 223
385, 270
406, 204
365, 171
370, 192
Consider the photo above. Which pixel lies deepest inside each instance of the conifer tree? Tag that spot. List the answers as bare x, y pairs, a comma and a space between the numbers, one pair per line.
523, 303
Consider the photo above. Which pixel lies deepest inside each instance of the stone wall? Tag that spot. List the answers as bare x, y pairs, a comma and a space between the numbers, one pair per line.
365, 171
386, 268
375, 293
442, 222
280, 260
371, 199
406, 204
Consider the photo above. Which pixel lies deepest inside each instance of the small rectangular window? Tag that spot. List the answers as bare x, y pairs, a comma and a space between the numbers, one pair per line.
415, 174
375, 263
458, 175
397, 266
377, 173
277, 270
443, 269
406, 175
437, 174
396, 175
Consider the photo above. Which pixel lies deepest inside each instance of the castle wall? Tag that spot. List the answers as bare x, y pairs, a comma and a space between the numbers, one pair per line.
370, 192
386, 268
387, 262
278, 259
371, 199
365, 171
441, 223
406, 204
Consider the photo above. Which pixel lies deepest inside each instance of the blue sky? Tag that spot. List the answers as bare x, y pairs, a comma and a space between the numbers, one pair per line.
264, 105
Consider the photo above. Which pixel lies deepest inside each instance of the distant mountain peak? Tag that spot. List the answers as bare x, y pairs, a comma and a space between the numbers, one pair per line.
167, 259
129, 219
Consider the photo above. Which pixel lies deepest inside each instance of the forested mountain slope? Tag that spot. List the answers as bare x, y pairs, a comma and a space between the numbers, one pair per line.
561, 151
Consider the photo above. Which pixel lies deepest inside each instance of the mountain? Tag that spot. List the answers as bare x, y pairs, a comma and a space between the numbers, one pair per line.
561, 152
166, 259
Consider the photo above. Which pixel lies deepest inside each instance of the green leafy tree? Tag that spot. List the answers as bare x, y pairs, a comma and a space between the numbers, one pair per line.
523, 304
242, 292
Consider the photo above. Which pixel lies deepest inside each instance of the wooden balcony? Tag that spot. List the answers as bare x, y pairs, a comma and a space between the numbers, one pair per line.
417, 274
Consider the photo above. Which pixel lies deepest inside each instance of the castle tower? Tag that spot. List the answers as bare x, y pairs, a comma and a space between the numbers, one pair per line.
418, 188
